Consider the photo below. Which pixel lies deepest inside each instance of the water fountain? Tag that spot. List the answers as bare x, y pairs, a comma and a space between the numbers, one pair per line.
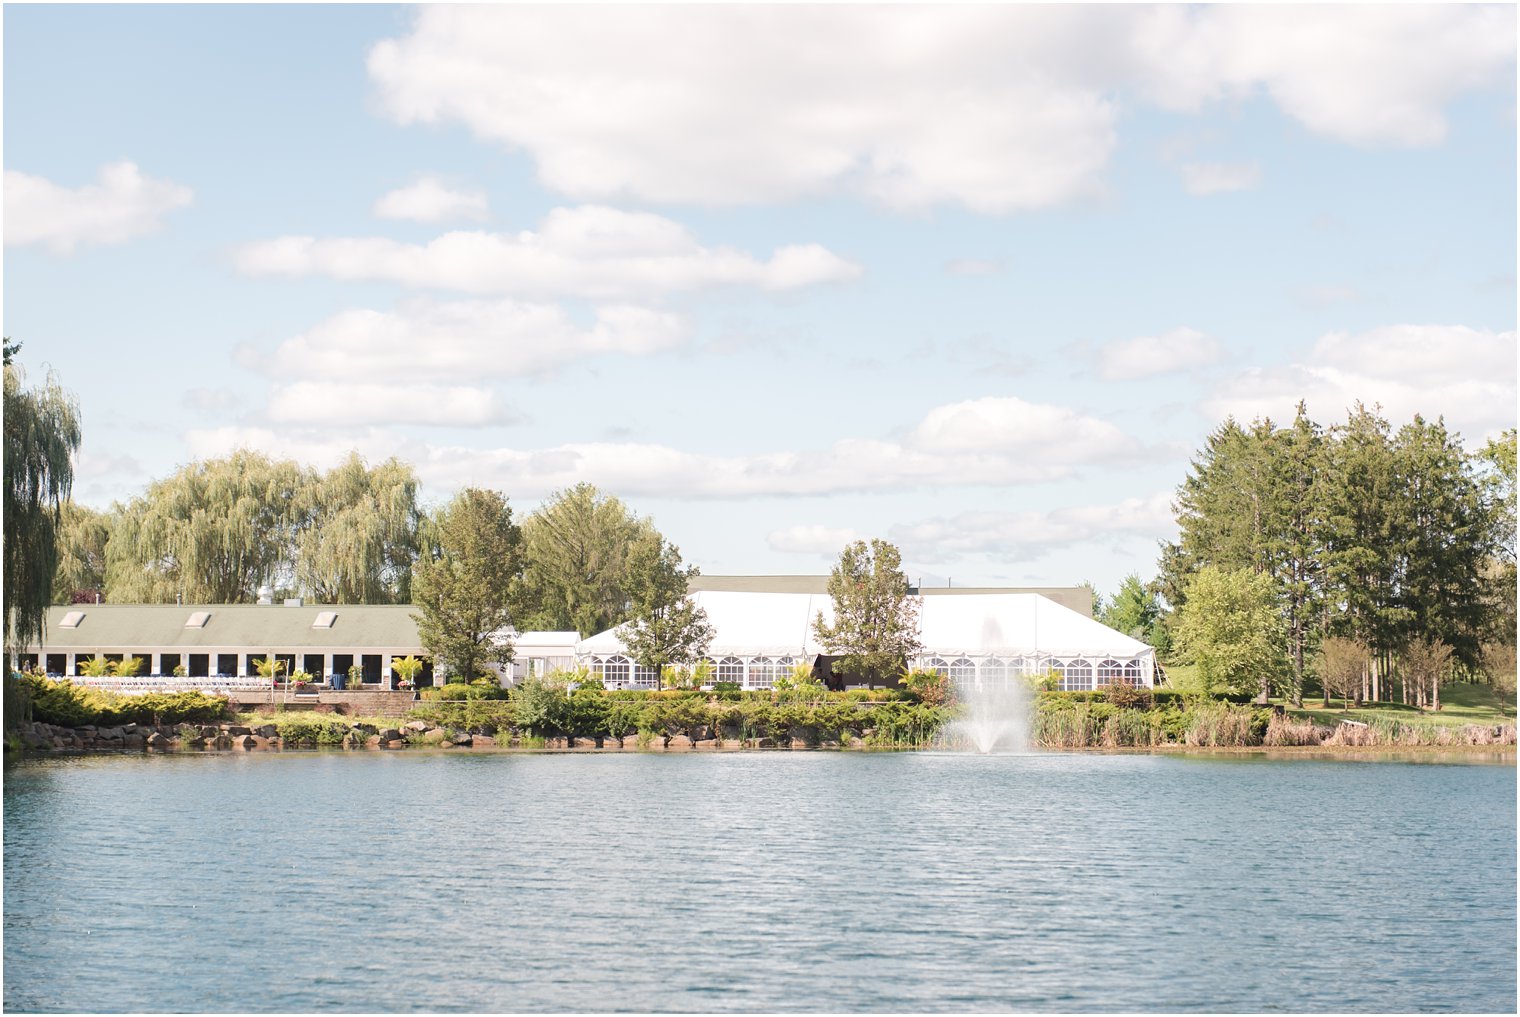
995, 715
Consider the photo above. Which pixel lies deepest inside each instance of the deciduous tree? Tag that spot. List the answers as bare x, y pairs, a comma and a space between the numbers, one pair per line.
875, 627
667, 626
83, 534
42, 433
576, 548
1231, 628
358, 535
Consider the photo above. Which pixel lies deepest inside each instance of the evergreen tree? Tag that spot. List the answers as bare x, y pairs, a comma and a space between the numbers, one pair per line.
576, 548
462, 591
1133, 610
42, 433
875, 625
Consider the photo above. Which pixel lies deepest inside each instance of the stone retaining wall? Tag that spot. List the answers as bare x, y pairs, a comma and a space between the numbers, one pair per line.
350, 704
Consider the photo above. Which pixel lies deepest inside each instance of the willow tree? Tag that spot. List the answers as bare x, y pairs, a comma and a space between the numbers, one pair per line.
42, 433
83, 533
358, 534
461, 587
576, 551
211, 533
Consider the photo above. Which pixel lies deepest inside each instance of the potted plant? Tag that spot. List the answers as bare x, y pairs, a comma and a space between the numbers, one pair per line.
302, 680
408, 667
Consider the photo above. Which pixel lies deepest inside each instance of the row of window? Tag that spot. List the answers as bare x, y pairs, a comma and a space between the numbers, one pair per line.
619, 672
1076, 675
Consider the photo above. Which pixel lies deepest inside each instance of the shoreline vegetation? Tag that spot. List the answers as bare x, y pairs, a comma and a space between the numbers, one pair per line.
65, 718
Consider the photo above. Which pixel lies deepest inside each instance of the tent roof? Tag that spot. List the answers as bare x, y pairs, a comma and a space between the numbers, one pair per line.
772, 624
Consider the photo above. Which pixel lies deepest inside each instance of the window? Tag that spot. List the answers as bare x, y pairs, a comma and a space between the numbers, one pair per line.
937, 664
1077, 675
1110, 671
71, 620
645, 677
613, 671
962, 671
325, 620
197, 619
730, 669
1132, 672
762, 673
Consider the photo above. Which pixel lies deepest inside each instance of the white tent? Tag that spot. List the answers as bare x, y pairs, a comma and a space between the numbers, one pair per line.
983, 636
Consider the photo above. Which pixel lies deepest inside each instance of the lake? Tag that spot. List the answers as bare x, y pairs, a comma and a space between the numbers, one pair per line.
757, 881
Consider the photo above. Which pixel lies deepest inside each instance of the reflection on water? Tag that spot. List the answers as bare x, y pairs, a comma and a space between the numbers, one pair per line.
757, 881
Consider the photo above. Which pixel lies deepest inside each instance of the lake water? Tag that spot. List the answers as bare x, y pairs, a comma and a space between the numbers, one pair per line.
757, 881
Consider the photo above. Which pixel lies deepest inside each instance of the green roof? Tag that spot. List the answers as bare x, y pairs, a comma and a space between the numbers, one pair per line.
254, 626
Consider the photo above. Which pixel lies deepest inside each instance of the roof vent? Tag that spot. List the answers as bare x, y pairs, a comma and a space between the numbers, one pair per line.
71, 620
198, 620
325, 619
292, 601
266, 595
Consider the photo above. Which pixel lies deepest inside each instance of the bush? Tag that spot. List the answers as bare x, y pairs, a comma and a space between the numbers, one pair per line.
926, 686
68, 705
461, 691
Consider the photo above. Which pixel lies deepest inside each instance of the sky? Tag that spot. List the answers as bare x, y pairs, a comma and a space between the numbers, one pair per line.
977, 280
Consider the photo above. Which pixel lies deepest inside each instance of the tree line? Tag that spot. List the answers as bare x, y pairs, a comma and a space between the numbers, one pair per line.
1307, 554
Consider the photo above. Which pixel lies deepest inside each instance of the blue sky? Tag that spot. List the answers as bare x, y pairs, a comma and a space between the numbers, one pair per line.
978, 280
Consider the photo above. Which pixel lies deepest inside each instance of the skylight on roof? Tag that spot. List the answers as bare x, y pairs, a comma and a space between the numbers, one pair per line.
325, 619
198, 620
71, 620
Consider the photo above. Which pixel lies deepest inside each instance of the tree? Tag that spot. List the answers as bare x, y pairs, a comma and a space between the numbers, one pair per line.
1495, 464
576, 548
462, 590
1231, 628
358, 534
42, 433
667, 626
1133, 610
875, 625
1343, 668
83, 534
1426, 663
408, 668
211, 533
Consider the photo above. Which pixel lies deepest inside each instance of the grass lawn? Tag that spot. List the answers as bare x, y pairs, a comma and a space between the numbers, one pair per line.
1460, 704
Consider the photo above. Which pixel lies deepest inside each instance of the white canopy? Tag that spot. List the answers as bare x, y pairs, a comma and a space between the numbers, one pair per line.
779, 624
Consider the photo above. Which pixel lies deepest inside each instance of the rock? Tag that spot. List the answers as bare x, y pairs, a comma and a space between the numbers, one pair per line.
372, 741
464, 740
221, 742
365, 729
857, 743
390, 734
799, 743
268, 731
415, 725
157, 742
86, 729
556, 743
732, 743
210, 732
482, 741
237, 729
132, 740
679, 741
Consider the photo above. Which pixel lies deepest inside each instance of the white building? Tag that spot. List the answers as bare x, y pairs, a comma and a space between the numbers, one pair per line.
969, 635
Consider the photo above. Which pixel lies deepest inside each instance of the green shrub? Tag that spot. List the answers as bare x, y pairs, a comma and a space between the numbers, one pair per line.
462, 691
69, 705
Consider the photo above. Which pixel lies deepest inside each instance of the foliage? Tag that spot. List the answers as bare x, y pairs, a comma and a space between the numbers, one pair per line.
541, 704
875, 628
408, 667
667, 626
1343, 667
358, 533
42, 433
269, 667
456, 691
461, 590
1427, 663
82, 536
925, 685
211, 533
1134, 610
95, 667
69, 705
575, 562
1128, 696
1232, 630
129, 666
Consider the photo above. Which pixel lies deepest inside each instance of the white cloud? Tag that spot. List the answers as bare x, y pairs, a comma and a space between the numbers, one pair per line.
431, 200
346, 404
590, 251
1027, 535
1466, 375
120, 206
1203, 178
431, 341
998, 108
978, 444
1148, 355
810, 539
